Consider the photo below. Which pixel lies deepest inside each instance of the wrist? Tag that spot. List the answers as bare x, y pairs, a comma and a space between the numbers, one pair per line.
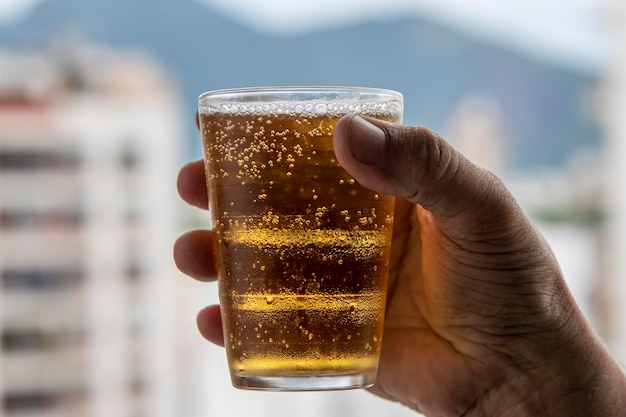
586, 381
574, 377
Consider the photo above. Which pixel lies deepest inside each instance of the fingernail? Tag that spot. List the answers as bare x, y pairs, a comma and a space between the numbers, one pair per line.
367, 141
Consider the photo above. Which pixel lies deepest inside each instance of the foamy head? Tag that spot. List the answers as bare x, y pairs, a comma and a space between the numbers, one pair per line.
303, 102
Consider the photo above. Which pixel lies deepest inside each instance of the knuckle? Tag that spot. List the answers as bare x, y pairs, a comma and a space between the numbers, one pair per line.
419, 160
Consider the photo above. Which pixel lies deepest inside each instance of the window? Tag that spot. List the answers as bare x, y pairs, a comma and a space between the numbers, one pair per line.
38, 400
10, 219
27, 160
28, 401
41, 278
130, 157
21, 339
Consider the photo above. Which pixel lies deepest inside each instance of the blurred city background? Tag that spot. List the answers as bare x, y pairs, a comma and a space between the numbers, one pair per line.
96, 116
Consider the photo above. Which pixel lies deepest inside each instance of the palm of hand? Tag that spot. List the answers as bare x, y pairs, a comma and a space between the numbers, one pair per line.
429, 316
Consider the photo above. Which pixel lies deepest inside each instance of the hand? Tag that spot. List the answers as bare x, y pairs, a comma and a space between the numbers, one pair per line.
479, 320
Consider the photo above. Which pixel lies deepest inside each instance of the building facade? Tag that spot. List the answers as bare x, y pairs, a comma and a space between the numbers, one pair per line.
613, 111
88, 146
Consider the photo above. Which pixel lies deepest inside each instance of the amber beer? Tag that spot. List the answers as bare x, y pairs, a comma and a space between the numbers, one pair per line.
303, 248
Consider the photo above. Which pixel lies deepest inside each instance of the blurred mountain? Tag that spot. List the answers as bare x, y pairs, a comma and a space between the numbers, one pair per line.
544, 104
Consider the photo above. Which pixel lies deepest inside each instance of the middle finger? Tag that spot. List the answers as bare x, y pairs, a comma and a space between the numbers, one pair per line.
191, 184
194, 254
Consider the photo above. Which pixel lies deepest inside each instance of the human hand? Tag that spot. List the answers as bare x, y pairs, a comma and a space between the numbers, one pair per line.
479, 320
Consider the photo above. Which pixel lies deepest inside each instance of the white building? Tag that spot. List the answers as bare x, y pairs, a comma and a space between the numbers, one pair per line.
615, 122
89, 141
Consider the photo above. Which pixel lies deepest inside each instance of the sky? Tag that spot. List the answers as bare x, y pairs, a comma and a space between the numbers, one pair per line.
570, 30
574, 31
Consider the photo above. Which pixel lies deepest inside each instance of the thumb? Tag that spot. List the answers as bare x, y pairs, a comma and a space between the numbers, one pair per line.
415, 163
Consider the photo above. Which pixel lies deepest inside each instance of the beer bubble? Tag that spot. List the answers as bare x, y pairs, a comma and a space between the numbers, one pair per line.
321, 109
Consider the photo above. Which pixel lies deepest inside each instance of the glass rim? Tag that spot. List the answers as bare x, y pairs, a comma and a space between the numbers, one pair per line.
269, 91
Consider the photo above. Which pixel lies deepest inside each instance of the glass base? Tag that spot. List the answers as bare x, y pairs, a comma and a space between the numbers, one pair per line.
302, 383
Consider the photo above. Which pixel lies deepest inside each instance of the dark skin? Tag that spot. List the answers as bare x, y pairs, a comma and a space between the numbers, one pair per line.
479, 320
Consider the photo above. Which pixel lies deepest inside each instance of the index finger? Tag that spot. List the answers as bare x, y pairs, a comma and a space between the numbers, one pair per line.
191, 184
